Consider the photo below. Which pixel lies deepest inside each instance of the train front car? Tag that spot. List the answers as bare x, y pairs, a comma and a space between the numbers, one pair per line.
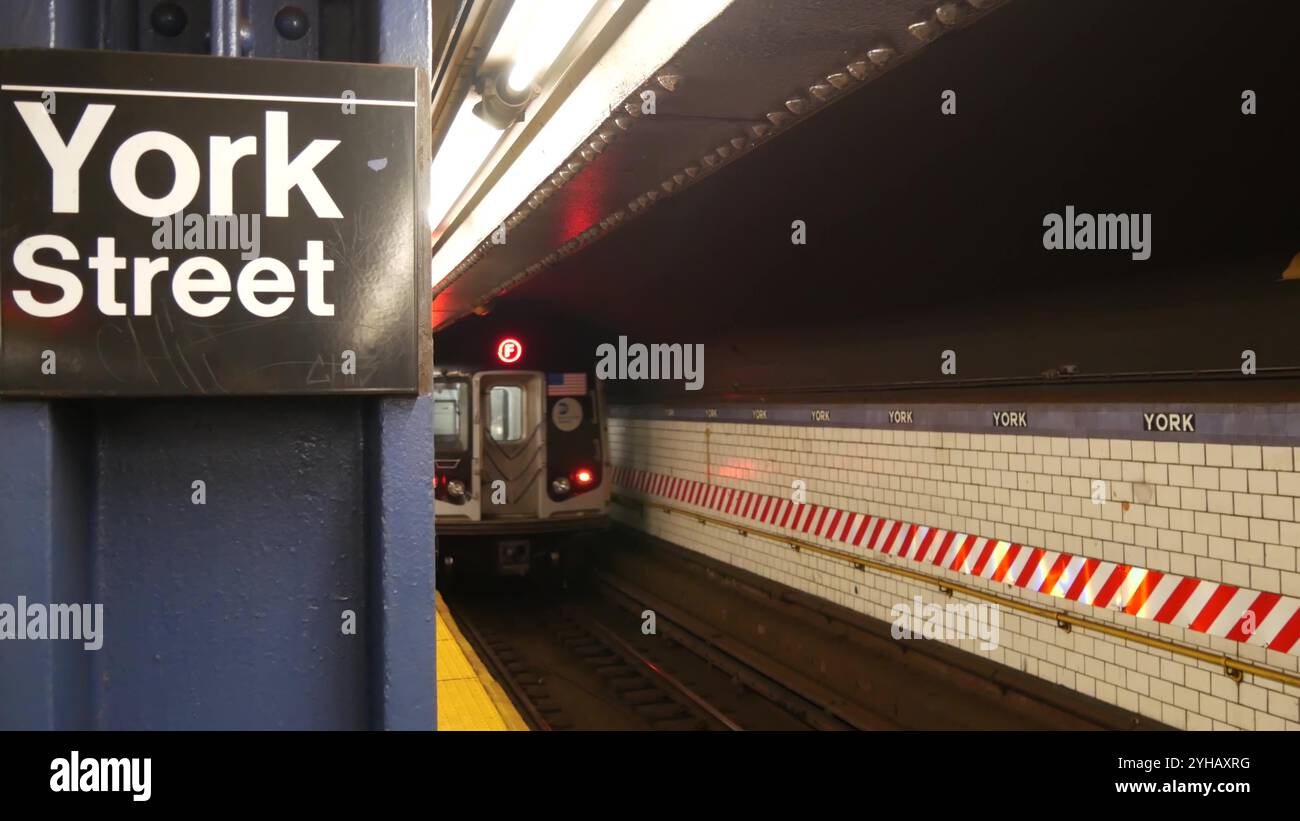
521, 467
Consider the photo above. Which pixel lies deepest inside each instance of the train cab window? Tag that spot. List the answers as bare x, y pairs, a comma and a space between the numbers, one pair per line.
450, 416
506, 413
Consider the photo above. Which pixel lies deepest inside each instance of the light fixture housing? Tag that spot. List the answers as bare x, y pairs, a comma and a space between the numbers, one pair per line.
501, 105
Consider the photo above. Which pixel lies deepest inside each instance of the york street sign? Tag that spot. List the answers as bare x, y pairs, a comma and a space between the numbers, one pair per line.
177, 225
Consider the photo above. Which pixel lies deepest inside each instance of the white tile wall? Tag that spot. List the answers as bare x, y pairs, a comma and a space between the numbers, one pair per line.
1218, 512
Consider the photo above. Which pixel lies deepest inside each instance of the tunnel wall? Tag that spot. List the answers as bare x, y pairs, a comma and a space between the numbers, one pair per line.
1212, 524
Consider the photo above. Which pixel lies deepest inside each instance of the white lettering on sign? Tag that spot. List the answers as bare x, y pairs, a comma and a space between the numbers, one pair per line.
201, 286
186, 281
900, 417
760, 413
710, 413
1164, 422
282, 174
821, 416
1009, 419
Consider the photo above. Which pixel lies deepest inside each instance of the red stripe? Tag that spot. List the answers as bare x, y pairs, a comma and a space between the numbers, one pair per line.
919, 555
776, 508
862, 531
1287, 636
1007, 560
1143, 592
733, 499
1054, 574
749, 506
1081, 581
788, 511
818, 529
1213, 608
962, 552
875, 534
907, 542
889, 540
943, 547
1117, 577
767, 507
985, 555
807, 523
1027, 572
1177, 599
830, 529
1261, 607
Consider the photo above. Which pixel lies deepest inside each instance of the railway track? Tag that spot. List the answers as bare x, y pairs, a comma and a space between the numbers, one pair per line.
732, 651
578, 663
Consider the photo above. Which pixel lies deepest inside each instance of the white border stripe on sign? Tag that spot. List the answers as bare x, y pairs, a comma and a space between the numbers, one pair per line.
205, 95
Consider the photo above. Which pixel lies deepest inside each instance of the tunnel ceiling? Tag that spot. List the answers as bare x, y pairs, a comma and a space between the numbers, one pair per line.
745, 79
915, 218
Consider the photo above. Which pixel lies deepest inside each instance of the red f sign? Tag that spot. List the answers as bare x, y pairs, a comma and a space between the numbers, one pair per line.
509, 350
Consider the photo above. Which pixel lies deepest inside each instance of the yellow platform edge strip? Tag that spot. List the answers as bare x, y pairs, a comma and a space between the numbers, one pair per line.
469, 698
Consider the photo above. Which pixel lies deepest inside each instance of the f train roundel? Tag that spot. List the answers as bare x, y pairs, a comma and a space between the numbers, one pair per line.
509, 350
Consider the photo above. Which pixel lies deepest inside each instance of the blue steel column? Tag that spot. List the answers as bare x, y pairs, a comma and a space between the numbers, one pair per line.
226, 614
44, 485
402, 580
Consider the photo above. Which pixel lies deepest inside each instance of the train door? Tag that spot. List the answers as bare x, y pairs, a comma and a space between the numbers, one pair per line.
513, 443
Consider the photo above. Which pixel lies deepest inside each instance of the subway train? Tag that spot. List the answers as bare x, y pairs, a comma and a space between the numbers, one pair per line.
521, 458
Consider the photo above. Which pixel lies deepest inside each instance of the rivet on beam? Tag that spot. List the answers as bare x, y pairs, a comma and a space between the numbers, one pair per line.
948, 13
924, 31
669, 81
839, 80
880, 55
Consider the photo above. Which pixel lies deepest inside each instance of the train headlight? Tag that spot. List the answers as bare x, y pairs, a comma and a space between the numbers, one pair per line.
456, 488
561, 486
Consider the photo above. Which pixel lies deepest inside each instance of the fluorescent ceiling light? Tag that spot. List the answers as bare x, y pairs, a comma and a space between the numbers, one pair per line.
546, 28
658, 32
463, 150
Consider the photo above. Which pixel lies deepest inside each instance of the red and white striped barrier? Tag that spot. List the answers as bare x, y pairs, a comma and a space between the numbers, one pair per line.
1249, 616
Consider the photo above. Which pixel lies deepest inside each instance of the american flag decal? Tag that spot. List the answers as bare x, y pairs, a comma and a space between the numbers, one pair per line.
566, 384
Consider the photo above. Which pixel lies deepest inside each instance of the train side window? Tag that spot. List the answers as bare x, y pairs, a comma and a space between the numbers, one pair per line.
506, 413
450, 412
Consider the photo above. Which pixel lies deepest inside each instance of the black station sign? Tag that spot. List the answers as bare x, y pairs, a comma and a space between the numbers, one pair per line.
177, 225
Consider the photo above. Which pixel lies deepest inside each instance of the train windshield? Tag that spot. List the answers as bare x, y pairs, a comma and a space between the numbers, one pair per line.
451, 416
506, 413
